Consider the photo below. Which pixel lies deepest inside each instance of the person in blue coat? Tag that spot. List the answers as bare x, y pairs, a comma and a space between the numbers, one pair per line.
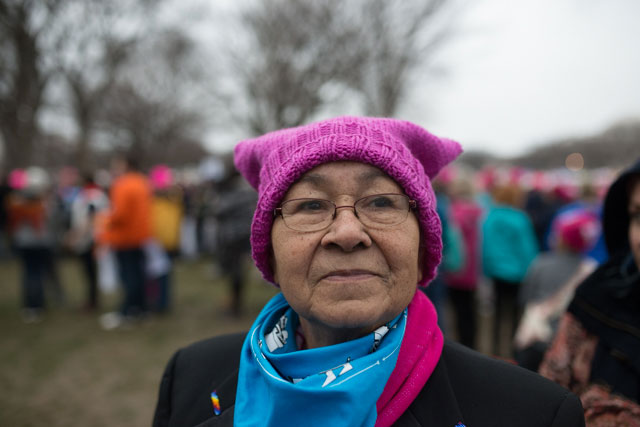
509, 246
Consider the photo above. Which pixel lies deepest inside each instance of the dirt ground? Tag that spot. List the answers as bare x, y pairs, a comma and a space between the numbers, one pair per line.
67, 371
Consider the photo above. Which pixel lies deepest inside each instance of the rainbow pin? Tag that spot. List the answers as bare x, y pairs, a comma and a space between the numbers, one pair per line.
216, 402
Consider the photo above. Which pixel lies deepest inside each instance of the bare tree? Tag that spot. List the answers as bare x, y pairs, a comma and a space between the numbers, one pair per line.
52, 45
94, 39
149, 130
295, 49
397, 37
23, 74
152, 110
298, 49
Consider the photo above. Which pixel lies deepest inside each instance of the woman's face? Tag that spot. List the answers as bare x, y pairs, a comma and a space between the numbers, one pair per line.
634, 223
347, 279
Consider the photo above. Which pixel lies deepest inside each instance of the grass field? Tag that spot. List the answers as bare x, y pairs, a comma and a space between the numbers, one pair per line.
67, 371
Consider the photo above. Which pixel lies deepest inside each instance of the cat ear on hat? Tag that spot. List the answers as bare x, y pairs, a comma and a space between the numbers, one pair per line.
248, 157
432, 152
436, 153
446, 151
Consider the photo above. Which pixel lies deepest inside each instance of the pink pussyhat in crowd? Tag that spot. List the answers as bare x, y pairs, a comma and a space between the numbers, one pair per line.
406, 152
18, 179
161, 177
577, 229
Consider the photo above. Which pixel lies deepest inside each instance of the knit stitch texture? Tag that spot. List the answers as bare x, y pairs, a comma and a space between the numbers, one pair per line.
406, 152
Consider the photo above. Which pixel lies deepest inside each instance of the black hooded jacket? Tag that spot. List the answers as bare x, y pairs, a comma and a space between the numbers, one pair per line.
607, 304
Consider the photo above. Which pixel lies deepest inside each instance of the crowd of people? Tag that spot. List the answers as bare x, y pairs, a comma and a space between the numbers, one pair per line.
557, 265
505, 231
125, 228
502, 229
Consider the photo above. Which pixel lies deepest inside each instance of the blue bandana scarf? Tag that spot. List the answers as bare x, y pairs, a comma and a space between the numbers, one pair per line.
337, 385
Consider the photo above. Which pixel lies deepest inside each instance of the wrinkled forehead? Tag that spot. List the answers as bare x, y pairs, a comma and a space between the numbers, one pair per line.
345, 176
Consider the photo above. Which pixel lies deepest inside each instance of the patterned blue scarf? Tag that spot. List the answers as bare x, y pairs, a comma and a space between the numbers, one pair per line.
337, 385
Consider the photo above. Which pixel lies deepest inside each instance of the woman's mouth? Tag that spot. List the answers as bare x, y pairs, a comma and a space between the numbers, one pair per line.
349, 275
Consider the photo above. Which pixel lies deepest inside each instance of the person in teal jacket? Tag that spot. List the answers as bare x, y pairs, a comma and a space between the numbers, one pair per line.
508, 247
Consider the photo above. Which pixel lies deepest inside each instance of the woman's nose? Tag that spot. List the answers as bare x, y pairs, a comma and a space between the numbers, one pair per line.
346, 231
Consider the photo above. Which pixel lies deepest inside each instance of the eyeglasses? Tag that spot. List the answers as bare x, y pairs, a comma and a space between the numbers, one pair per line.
376, 211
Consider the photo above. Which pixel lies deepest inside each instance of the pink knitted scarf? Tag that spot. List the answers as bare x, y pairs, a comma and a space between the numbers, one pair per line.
419, 353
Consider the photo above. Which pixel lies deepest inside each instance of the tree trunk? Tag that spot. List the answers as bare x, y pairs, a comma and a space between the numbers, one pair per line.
19, 107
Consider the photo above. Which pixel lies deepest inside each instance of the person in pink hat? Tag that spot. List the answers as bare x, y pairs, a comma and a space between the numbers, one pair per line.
551, 273
346, 227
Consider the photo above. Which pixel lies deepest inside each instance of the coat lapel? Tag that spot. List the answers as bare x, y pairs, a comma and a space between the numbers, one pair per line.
226, 391
436, 405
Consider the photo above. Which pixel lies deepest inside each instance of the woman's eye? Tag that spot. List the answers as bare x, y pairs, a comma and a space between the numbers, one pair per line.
311, 206
634, 217
380, 202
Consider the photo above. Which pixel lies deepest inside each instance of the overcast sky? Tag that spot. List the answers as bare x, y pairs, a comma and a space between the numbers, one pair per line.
521, 73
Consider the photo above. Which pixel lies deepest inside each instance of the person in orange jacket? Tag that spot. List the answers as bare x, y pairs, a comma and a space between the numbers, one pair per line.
127, 228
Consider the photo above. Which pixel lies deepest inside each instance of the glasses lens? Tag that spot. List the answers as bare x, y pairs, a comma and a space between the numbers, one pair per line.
383, 209
307, 214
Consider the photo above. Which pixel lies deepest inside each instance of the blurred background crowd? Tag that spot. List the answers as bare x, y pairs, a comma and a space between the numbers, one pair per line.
124, 226
512, 236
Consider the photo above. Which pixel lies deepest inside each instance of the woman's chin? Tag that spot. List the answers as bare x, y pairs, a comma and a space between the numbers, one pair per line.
353, 315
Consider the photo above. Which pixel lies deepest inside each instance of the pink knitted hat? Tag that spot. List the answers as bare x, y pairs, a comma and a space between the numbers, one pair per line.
578, 229
406, 152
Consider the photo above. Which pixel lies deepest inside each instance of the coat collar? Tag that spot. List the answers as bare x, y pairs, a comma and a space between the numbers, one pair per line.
436, 405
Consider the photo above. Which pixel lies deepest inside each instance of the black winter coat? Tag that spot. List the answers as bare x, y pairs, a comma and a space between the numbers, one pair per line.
465, 387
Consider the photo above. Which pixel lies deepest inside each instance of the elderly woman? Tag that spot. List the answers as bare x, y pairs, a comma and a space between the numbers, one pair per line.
346, 227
